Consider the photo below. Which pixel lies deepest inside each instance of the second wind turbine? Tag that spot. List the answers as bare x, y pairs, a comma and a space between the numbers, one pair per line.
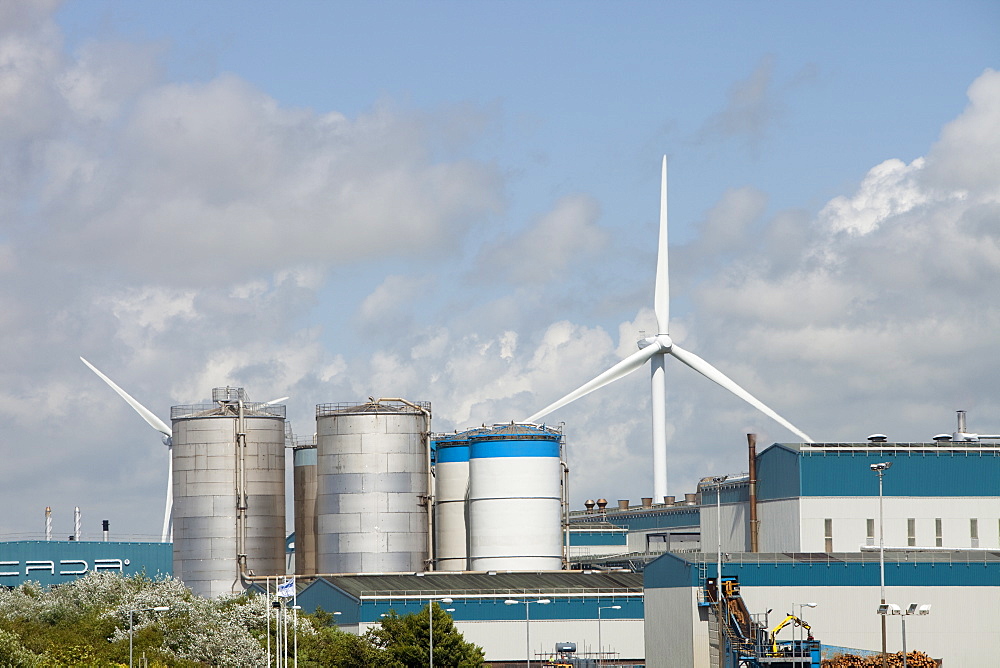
655, 349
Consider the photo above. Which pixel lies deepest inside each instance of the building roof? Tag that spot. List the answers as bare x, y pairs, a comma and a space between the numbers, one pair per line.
482, 583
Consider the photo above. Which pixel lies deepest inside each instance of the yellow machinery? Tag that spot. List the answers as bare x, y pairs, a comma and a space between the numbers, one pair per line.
794, 621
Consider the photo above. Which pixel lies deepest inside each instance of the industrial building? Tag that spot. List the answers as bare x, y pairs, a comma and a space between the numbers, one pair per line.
837, 594
389, 515
55, 562
510, 615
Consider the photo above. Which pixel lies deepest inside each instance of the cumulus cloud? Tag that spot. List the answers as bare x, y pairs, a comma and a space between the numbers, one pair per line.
184, 236
543, 252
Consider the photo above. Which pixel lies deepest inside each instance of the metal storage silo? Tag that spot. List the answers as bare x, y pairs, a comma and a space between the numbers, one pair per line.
451, 485
373, 470
515, 499
305, 490
229, 492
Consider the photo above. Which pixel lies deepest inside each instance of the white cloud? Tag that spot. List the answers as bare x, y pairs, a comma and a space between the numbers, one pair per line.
543, 252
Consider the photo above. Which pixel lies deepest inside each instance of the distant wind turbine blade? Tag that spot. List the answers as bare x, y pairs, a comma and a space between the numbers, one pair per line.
275, 401
713, 374
661, 294
623, 368
147, 415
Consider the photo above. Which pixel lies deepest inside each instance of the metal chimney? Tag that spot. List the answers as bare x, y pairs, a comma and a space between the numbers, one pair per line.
105, 526
76, 523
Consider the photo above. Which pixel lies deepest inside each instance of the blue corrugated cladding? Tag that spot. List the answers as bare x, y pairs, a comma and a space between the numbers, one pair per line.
785, 473
956, 473
494, 609
581, 538
672, 571
332, 599
59, 562
777, 473
644, 520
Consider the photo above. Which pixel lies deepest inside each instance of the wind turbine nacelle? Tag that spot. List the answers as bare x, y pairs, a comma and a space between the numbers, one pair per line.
961, 436
661, 339
168, 441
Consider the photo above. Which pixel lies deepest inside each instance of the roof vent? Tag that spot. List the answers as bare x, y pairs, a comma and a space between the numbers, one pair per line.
589, 505
602, 504
622, 504
942, 437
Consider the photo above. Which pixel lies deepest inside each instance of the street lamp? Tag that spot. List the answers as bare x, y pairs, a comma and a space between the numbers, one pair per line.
880, 470
131, 624
803, 605
893, 609
527, 621
600, 647
430, 624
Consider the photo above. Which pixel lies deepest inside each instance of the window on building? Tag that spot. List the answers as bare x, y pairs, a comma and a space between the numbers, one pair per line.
870, 535
828, 535
911, 532
938, 541
974, 532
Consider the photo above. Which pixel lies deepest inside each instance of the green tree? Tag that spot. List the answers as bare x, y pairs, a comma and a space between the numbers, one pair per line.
406, 640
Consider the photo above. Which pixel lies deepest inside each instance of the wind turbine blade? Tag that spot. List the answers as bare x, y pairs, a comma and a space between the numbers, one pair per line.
147, 415
661, 294
713, 374
623, 368
275, 401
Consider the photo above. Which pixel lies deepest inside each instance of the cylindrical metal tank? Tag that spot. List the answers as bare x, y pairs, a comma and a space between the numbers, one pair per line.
515, 517
372, 477
305, 490
451, 484
229, 492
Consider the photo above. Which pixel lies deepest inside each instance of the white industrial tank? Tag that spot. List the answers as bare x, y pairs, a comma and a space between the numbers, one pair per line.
515, 498
373, 469
305, 491
229, 492
451, 484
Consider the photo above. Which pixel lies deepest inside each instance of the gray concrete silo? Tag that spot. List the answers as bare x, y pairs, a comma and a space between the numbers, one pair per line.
305, 490
229, 492
373, 476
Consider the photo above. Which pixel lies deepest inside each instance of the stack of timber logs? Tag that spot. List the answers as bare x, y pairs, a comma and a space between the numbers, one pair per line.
913, 660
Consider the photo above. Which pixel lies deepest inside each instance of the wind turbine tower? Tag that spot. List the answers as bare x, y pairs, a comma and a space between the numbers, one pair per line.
655, 349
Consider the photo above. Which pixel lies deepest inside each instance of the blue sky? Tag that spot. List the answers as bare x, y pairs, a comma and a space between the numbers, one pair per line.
457, 203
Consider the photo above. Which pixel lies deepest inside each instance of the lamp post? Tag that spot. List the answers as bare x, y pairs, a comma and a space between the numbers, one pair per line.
880, 470
718, 480
131, 625
893, 609
720, 613
430, 624
600, 646
527, 622
803, 605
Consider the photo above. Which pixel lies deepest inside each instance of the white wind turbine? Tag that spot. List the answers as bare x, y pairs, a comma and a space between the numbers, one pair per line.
655, 349
160, 426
